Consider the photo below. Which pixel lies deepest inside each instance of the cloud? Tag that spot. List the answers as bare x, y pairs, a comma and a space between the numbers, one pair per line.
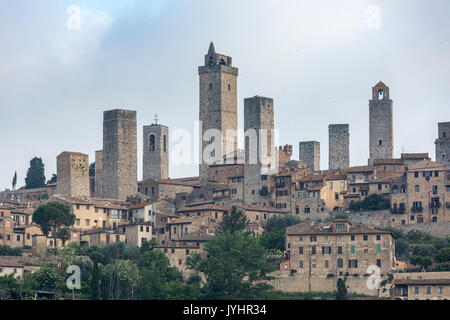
71, 44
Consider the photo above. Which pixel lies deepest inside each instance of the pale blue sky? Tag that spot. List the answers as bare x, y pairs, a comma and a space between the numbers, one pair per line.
317, 59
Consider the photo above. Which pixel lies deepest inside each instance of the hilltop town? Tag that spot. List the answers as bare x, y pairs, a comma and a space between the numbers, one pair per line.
346, 216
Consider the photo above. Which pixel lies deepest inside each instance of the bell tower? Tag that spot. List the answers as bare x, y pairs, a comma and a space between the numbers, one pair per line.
381, 137
218, 105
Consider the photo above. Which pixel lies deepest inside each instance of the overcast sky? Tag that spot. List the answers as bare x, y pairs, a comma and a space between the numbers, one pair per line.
317, 59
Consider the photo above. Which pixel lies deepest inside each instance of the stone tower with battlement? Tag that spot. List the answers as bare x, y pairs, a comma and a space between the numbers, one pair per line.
309, 154
218, 107
338, 146
443, 144
156, 152
381, 137
72, 170
260, 153
119, 176
98, 173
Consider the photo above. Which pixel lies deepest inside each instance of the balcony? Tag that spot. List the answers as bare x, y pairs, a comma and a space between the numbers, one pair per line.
435, 204
263, 192
397, 210
280, 185
417, 209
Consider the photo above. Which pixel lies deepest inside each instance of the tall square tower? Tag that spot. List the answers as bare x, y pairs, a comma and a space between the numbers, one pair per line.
218, 105
381, 137
156, 152
119, 178
443, 144
338, 146
309, 154
260, 153
72, 170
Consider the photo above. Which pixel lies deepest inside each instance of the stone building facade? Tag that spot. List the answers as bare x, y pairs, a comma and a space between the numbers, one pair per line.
443, 144
338, 248
381, 137
119, 154
156, 152
261, 158
339, 146
218, 108
98, 173
73, 174
309, 154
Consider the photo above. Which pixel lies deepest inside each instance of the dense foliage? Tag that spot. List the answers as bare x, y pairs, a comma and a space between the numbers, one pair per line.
372, 202
35, 175
422, 249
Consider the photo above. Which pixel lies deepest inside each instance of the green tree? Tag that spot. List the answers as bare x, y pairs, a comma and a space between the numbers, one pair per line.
14, 181
47, 279
96, 258
35, 175
53, 179
64, 235
274, 236
422, 261
443, 255
341, 293
53, 215
236, 267
232, 221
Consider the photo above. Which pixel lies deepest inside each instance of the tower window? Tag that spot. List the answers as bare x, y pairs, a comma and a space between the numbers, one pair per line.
229, 88
380, 142
444, 134
211, 60
152, 142
165, 143
380, 94
210, 86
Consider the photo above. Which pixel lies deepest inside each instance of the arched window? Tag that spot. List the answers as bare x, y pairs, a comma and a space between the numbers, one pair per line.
152, 142
403, 222
395, 189
403, 189
420, 218
434, 219
380, 94
222, 62
165, 143
211, 60
380, 142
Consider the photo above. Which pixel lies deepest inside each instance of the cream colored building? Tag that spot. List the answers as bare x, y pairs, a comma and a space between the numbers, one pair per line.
337, 248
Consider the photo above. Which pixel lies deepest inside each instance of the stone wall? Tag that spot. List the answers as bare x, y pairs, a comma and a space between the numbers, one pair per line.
381, 138
339, 140
309, 154
98, 173
73, 174
384, 219
156, 152
119, 154
258, 119
443, 144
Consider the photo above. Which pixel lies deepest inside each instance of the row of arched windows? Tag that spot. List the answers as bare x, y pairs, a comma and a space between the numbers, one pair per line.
152, 143
402, 189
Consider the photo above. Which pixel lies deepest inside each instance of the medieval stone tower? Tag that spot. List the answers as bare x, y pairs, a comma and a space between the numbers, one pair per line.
73, 174
338, 146
98, 173
309, 154
381, 137
119, 178
443, 144
156, 152
260, 153
218, 105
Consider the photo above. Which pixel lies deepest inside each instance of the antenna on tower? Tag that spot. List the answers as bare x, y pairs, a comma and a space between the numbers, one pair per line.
156, 118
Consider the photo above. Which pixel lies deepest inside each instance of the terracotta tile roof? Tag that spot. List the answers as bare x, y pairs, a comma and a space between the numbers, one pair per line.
359, 169
415, 155
203, 207
422, 281
10, 263
387, 161
326, 228
254, 207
